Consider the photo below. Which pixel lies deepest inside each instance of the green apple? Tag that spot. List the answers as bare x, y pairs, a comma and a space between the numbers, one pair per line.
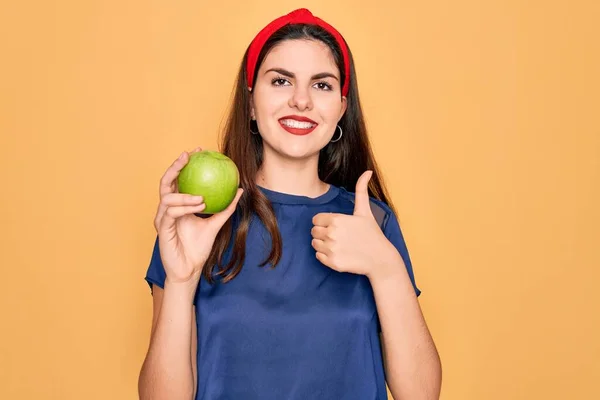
212, 175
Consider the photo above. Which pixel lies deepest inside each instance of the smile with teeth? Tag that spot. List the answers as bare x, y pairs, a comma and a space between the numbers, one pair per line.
297, 124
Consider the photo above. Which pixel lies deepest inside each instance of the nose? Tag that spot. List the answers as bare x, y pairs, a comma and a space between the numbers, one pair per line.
300, 99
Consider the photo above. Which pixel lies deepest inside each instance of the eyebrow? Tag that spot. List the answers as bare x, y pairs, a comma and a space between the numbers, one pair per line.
291, 74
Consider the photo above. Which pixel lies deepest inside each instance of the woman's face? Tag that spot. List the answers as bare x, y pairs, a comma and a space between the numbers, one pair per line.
297, 100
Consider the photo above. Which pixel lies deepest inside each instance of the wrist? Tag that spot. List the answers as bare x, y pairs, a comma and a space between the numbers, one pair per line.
388, 265
182, 288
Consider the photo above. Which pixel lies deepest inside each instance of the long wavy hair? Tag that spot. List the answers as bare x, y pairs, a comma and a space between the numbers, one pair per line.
340, 163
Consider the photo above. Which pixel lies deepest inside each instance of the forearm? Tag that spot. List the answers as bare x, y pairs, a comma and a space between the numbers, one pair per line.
167, 371
412, 364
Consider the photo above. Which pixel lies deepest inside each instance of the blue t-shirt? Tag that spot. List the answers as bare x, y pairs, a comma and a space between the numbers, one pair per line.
298, 331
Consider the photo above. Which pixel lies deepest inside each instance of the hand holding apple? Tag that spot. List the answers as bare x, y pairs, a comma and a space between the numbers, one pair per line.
186, 240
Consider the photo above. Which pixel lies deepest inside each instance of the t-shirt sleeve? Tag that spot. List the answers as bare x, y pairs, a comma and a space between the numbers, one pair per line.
156, 271
393, 233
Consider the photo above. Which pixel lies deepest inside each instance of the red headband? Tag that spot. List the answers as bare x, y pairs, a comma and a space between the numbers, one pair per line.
300, 16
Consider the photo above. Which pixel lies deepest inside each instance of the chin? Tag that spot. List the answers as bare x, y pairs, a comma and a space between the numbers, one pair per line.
298, 153
295, 151
285, 145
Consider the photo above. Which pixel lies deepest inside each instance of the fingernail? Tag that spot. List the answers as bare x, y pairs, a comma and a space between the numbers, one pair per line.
181, 156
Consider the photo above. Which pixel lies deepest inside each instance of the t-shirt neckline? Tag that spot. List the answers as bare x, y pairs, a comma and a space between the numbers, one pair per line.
286, 198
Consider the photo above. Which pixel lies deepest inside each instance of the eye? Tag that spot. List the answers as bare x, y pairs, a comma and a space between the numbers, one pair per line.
279, 81
324, 86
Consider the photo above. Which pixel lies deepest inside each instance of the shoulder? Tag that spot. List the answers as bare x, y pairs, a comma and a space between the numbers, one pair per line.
381, 211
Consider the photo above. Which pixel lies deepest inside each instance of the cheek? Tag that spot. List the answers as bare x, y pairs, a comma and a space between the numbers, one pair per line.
268, 102
329, 110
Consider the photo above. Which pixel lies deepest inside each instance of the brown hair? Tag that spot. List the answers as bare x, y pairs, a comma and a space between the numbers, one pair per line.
340, 163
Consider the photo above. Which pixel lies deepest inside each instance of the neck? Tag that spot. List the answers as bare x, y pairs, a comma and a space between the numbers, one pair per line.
292, 176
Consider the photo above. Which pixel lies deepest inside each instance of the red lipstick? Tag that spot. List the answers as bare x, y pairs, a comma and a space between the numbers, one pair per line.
295, 130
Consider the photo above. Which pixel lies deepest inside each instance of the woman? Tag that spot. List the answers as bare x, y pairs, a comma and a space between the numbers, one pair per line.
284, 294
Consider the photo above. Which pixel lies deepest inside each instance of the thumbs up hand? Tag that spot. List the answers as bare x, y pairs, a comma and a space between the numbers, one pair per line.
352, 243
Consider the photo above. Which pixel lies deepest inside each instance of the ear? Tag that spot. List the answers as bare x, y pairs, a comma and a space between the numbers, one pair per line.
252, 114
344, 107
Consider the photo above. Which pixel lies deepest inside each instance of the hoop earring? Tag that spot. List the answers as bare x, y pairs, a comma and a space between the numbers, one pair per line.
341, 133
251, 131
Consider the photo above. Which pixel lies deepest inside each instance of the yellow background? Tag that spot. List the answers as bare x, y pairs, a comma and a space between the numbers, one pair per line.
484, 116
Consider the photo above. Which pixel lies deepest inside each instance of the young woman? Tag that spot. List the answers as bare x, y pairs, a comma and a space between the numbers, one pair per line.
303, 287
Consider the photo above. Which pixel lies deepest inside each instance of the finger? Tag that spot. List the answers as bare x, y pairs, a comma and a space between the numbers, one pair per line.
361, 203
319, 232
181, 199
323, 219
172, 213
158, 217
196, 150
220, 218
180, 211
320, 246
174, 200
168, 179
323, 258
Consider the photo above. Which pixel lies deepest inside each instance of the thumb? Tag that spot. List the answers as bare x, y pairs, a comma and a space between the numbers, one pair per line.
362, 205
220, 218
